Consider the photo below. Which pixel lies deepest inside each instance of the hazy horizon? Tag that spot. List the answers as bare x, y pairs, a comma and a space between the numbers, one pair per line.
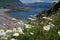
32, 1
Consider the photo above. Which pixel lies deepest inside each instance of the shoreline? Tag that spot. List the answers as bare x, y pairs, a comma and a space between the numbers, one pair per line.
8, 22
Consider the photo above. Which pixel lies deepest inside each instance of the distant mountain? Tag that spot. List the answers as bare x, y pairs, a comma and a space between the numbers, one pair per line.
10, 3
40, 4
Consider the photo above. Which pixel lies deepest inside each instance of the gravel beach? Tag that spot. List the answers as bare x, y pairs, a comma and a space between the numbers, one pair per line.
7, 21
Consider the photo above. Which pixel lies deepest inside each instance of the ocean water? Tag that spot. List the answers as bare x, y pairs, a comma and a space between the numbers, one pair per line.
34, 11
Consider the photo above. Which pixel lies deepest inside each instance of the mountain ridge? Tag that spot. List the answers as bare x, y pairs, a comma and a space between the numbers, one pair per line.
10, 3
39, 4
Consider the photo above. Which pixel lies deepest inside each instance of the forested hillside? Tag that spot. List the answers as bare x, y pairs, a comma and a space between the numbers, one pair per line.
10, 3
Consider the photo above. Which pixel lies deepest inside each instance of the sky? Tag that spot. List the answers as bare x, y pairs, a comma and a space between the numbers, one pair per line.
31, 1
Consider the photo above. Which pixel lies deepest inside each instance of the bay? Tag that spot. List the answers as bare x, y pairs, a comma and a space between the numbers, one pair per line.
35, 10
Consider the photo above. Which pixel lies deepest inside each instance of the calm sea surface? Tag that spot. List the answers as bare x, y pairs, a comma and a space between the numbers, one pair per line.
34, 11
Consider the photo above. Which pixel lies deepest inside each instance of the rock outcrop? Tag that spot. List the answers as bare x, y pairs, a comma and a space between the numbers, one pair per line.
49, 12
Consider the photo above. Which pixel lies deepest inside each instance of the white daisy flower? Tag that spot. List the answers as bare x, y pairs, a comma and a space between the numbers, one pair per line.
16, 34
31, 33
27, 26
47, 18
14, 30
19, 23
47, 28
20, 30
59, 8
31, 19
2, 32
22, 22
9, 31
59, 33
51, 24
13, 39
